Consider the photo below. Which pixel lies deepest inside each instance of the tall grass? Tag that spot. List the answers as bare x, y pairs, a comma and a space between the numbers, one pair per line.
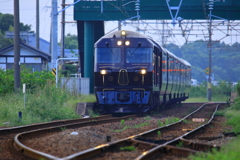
220, 93
44, 105
228, 152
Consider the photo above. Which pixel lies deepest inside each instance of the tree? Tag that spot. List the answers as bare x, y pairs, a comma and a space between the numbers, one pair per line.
7, 20
4, 42
71, 41
6, 24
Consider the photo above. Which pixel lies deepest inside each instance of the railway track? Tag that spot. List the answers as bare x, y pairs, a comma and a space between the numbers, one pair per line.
147, 145
7, 134
19, 129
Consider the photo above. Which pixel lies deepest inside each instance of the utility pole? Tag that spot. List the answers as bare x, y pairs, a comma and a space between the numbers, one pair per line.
16, 47
54, 35
119, 25
163, 30
63, 30
209, 90
37, 24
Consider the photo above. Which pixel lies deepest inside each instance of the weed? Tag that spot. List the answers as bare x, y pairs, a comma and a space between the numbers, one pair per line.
63, 128
147, 118
172, 120
130, 119
229, 151
159, 133
160, 123
120, 130
166, 121
186, 121
142, 125
220, 113
128, 148
180, 144
92, 113
122, 122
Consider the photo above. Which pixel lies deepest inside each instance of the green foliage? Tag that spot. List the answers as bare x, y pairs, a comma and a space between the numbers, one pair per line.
128, 148
93, 114
7, 81
238, 87
7, 24
167, 121
63, 128
71, 41
33, 80
222, 90
180, 144
69, 69
4, 42
147, 118
159, 133
48, 101
160, 123
122, 122
220, 112
141, 125
186, 121
120, 130
7, 20
43, 105
230, 151
233, 119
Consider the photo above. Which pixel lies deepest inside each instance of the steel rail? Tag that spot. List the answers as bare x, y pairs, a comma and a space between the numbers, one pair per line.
38, 155
159, 148
104, 147
155, 151
49, 124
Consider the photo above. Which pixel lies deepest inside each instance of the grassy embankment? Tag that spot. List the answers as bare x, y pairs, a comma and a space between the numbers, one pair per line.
44, 105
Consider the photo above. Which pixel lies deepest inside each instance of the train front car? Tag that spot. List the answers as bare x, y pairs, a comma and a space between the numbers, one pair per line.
123, 72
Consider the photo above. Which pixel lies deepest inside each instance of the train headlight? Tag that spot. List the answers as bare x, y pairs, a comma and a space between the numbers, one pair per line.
104, 72
119, 43
143, 71
127, 43
123, 33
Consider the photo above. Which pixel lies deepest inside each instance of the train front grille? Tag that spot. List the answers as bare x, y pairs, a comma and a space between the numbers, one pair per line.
123, 77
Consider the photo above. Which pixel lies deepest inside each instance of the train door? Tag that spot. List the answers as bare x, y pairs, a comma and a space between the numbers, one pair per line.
156, 76
164, 77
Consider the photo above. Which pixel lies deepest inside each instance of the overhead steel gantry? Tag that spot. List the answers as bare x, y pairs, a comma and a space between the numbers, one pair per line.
91, 14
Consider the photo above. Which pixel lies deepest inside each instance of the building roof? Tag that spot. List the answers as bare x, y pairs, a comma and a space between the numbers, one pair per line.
28, 47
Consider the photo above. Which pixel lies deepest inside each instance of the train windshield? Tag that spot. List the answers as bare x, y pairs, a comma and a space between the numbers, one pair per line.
139, 55
107, 55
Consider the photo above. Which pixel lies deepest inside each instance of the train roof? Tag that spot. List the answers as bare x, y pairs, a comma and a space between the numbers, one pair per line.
129, 34
132, 34
177, 58
185, 62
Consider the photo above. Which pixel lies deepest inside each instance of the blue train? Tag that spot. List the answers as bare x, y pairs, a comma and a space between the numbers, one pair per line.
134, 74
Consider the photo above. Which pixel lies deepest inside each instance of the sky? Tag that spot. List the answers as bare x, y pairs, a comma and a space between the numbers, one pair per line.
28, 16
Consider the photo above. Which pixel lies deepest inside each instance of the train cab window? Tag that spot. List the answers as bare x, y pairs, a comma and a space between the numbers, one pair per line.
139, 55
107, 55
